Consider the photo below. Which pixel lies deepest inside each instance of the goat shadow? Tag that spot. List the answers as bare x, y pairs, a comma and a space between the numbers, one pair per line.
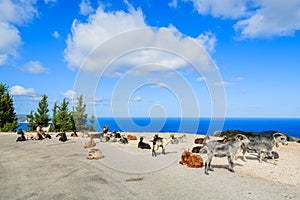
166, 153
225, 166
256, 158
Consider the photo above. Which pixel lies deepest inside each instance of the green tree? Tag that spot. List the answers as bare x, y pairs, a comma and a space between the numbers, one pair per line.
8, 118
64, 117
80, 117
55, 126
31, 123
41, 117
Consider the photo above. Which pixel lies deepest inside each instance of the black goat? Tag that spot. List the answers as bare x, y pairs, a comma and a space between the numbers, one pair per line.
63, 136
143, 145
22, 137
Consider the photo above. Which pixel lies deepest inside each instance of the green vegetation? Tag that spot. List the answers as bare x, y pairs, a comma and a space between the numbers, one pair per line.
79, 115
8, 118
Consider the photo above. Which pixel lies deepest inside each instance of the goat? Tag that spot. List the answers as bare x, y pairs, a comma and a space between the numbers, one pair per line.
62, 137
263, 146
105, 129
131, 137
38, 136
22, 137
143, 145
227, 149
123, 140
176, 140
90, 143
74, 134
191, 160
46, 129
202, 140
160, 142
95, 154
196, 149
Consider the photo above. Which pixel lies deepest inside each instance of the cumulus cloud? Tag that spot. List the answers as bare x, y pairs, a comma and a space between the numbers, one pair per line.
216, 8
255, 18
129, 30
208, 41
18, 90
13, 13
85, 7
10, 40
70, 94
34, 67
273, 17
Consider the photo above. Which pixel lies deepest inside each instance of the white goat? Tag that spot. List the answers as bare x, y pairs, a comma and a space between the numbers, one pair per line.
160, 142
46, 129
215, 148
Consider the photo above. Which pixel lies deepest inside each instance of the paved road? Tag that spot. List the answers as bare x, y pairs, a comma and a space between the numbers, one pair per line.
54, 170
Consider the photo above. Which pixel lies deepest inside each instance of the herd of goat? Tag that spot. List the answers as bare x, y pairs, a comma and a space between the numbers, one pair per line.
226, 147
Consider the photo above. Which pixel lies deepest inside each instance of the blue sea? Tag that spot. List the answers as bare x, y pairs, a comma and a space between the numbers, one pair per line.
289, 126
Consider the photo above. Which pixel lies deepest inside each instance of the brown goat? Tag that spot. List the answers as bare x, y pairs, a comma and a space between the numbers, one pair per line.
191, 160
202, 140
131, 137
90, 143
95, 154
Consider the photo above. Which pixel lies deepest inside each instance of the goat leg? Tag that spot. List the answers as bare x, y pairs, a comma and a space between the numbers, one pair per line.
230, 162
163, 151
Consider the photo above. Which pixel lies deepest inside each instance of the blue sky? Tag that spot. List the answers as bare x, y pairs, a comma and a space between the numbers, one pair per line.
136, 57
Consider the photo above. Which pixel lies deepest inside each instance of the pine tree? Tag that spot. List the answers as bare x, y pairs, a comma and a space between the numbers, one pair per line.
41, 117
64, 118
80, 117
55, 126
8, 118
31, 123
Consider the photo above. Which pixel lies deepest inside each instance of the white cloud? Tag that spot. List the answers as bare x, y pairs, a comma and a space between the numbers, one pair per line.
10, 40
3, 58
70, 94
255, 18
50, 1
136, 99
13, 13
222, 84
18, 90
102, 26
56, 34
216, 8
85, 7
173, 4
34, 67
244, 91
202, 78
239, 78
207, 40
274, 17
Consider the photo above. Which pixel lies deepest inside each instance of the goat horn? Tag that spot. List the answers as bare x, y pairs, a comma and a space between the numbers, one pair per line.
240, 135
278, 133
